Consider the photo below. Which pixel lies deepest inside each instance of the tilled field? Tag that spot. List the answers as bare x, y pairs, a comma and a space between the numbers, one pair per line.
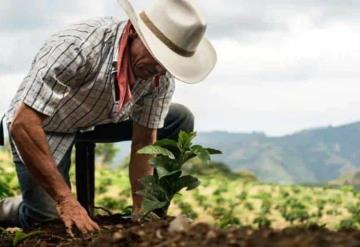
120, 232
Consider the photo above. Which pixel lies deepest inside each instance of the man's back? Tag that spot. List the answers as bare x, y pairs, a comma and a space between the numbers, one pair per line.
72, 82
72, 69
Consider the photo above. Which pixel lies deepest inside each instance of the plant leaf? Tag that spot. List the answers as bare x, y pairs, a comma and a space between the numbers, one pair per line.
150, 205
147, 180
189, 182
201, 152
166, 142
154, 196
163, 172
151, 189
187, 156
185, 139
163, 161
213, 151
20, 236
154, 149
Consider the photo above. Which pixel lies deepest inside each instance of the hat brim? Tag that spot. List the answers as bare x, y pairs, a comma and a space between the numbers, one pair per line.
187, 69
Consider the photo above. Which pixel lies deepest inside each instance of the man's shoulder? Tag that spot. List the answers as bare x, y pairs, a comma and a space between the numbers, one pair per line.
95, 26
98, 21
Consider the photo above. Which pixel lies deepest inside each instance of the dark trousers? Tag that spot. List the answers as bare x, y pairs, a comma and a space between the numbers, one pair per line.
178, 118
37, 206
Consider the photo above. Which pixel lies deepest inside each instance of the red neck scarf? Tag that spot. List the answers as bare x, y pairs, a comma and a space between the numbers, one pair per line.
125, 75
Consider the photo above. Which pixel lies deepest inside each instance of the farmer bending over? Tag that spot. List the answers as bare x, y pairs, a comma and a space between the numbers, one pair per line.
101, 80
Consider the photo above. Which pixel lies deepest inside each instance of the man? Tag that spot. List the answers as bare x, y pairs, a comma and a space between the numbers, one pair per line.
101, 80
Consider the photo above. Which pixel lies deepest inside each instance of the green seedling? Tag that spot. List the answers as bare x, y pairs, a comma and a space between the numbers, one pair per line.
168, 179
262, 221
20, 236
347, 224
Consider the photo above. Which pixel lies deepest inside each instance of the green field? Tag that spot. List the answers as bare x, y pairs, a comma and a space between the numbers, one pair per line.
225, 198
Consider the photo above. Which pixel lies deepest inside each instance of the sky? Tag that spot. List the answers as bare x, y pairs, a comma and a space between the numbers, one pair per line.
283, 65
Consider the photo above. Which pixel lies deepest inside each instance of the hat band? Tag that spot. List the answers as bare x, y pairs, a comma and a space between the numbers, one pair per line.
177, 49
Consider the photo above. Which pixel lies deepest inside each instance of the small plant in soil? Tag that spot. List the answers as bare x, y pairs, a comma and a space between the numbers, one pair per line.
227, 218
294, 210
347, 224
20, 236
169, 157
262, 221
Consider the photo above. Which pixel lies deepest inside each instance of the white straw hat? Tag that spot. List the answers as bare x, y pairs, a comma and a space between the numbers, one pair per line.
173, 32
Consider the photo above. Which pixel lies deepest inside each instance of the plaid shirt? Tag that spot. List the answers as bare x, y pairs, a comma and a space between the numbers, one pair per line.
72, 81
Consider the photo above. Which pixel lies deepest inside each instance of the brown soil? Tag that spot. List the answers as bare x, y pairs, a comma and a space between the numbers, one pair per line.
120, 232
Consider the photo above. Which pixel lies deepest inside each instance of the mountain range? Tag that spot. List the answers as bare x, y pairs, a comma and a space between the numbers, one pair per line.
309, 156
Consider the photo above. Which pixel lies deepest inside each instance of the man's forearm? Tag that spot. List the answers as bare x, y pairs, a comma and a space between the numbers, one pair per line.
33, 147
139, 163
139, 166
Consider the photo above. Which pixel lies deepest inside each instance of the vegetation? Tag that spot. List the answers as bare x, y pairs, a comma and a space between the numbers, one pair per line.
225, 198
242, 201
105, 152
169, 157
8, 180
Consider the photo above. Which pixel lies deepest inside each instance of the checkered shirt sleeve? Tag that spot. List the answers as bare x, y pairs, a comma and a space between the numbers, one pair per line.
150, 111
59, 65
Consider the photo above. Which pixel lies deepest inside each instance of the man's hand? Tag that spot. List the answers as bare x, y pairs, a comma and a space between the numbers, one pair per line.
72, 213
135, 216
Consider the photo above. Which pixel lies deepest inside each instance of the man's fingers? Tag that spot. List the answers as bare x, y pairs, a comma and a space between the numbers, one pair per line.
88, 226
85, 225
91, 225
68, 226
94, 225
82, 227
68, 230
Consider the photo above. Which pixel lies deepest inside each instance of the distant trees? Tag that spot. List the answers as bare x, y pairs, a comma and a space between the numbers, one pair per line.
105, 152
196, 166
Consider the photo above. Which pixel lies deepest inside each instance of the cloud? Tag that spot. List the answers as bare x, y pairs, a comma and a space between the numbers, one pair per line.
239, 18
18, 15
27, 16
283, 65
305, 52
8, 84
276, 108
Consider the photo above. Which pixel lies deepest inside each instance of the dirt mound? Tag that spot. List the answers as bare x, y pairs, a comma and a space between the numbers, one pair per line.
117, 231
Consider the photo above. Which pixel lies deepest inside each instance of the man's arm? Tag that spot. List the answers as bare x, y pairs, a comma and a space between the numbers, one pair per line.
148, 115
139, 163
29, 136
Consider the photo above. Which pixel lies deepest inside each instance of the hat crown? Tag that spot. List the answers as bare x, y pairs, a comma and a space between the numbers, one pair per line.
180, 21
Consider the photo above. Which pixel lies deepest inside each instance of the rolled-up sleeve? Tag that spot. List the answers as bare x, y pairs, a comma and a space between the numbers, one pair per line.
58, 66
151, 110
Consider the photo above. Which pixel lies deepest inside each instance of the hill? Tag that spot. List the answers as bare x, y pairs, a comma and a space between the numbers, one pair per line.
308, 156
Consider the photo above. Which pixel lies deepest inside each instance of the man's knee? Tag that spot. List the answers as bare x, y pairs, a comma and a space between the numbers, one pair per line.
186, 117
37, 209
182, 116
179, 118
